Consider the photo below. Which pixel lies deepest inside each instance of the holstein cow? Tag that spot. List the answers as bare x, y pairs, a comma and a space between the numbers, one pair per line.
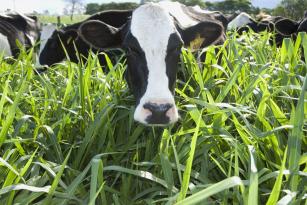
17, 27
153, 39
289, 27
244, 22
52, 52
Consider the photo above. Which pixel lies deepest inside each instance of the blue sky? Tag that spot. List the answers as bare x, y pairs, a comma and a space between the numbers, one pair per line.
56, 6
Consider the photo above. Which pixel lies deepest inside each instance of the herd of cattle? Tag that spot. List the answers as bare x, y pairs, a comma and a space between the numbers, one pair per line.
151, 36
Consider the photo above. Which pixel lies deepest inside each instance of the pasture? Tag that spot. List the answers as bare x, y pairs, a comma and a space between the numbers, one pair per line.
68, 136
65, 19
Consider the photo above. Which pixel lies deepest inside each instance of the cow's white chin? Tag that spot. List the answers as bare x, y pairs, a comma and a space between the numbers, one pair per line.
142, 115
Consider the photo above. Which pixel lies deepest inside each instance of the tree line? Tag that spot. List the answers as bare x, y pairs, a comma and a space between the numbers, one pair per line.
289, 8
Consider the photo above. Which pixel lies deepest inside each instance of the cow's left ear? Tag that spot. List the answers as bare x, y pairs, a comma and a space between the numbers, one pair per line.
202, 34
100, 35
286, 26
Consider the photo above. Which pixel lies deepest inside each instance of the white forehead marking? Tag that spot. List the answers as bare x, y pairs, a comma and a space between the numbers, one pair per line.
47, 31
241, 20
5, 48
152, 27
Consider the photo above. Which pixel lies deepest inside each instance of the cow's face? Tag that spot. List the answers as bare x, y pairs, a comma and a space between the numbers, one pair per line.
152, 65
53, 51
153, 45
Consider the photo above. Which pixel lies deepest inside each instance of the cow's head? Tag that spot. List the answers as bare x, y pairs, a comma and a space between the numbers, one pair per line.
152, 40
53, 51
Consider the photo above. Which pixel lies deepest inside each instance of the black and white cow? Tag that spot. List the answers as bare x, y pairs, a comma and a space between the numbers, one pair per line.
289, 27
52, 50
17, 27
244, 22
153, 39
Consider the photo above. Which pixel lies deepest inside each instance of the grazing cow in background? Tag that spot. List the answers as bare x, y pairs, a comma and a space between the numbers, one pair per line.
290, 27
52, 52
17, 27
153, 39
244, 22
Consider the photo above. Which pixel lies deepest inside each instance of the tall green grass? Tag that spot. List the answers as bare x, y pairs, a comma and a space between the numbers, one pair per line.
68, 136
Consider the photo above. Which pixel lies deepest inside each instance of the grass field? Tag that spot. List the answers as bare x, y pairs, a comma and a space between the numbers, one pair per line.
65, 19
68, 136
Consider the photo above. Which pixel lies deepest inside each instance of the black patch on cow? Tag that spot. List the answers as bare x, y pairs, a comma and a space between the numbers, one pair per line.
286, 26
136, 73
53, 51
172, 58
303, 25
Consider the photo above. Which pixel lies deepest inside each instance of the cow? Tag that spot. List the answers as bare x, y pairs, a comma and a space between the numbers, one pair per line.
244, 22
18, 27
289, 27
152, 40
67, 38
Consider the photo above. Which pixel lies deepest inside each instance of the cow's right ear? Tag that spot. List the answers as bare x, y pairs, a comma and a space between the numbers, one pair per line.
286, 26
100, 35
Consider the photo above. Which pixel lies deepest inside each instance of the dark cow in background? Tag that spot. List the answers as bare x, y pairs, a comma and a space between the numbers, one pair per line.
290, 27
17, 27
281, 27
152, 40
52, 52
244, 22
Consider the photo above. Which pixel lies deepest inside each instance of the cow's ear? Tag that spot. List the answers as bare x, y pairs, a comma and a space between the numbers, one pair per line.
99, 34
202, 34
286, 26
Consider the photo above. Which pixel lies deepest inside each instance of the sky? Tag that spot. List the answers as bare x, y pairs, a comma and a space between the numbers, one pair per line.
57, 6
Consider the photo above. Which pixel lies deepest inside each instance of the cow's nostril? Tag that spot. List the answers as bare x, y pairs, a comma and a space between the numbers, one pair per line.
158, 113
158, 108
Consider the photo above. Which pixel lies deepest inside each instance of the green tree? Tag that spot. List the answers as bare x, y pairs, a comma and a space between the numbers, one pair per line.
74, 5
230, 6
92, 8
118, 6
291, 8
201, 3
